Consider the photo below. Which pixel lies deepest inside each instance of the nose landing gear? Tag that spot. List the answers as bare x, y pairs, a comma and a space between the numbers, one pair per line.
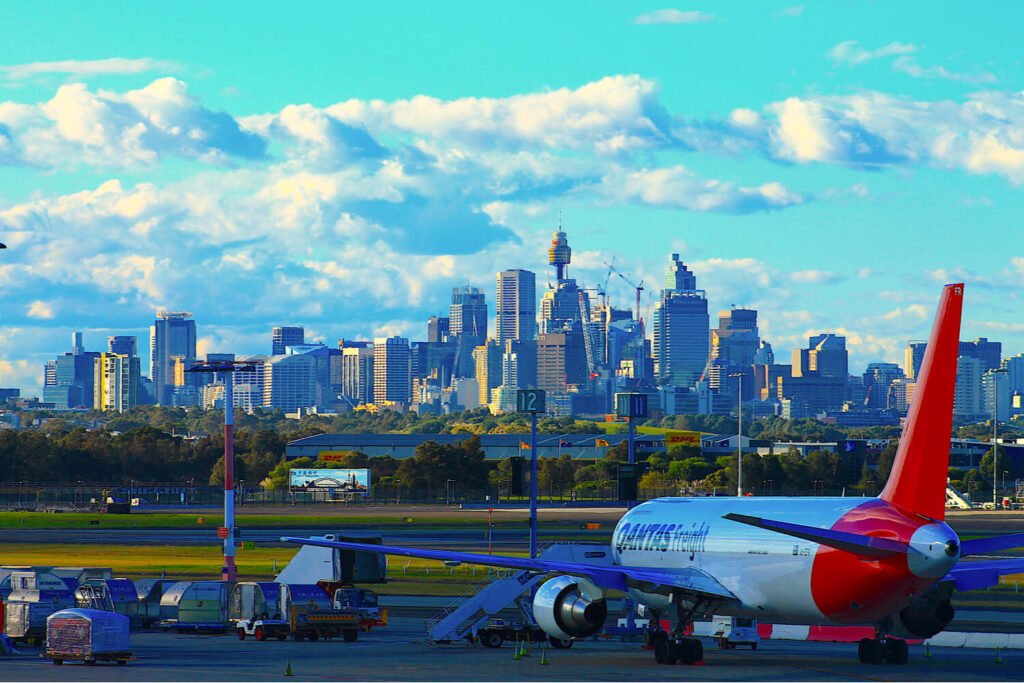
882, 648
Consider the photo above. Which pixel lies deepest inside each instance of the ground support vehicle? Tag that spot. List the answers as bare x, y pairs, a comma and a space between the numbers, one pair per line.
59, 658
497, 632
262, 629
733, 631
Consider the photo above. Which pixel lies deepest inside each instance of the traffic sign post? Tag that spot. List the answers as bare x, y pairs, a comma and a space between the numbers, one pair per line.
532, 401
631, 407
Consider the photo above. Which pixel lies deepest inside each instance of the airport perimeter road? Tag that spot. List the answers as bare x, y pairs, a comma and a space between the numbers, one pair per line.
398, 653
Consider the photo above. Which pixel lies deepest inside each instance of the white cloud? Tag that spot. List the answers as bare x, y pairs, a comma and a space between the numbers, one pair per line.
74, 67
910, 67
816, 277
41, 310
673, 16
793, 11
850, 52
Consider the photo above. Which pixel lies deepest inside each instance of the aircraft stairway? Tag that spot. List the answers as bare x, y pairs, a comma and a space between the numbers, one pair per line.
955, 500
504, 588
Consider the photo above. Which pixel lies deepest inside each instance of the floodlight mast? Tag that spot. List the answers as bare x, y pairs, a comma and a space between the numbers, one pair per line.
228, 572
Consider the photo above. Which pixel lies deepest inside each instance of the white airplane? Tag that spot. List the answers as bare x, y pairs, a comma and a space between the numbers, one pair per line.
890, 562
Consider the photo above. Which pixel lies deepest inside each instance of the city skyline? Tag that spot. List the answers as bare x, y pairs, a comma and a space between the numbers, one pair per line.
802, 162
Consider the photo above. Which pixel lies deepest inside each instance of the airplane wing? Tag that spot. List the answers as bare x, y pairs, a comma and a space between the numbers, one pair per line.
969, 576
858, 544
690, 580
977, 546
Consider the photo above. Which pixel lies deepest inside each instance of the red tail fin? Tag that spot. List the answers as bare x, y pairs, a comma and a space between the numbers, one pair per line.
917, 482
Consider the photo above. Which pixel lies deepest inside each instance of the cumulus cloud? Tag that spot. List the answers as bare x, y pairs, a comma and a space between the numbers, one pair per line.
75, 67
910, 67
41, 310
816, 277
673, 16
850, 52
679, 187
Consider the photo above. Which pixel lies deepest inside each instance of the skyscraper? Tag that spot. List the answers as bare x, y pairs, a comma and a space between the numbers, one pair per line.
357, 372
438, 329
989, 353
736, 340
877, 379
468, 325
561, 361
69, 379
560, 305
286, 336
967, 395
680, 345
516, 305
125, 345
290, 382
488, 368
392, 370
172, 334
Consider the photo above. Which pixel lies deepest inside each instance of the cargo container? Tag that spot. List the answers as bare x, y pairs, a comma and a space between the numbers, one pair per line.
34, 596
255, 600
149, 592
195, 605
87, 635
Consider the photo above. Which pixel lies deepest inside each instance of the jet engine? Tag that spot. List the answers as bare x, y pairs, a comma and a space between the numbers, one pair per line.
928, 614
569, 607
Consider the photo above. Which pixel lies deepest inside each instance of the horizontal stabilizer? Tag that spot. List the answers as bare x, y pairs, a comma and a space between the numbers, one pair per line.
978, 546
866, 546
969, 576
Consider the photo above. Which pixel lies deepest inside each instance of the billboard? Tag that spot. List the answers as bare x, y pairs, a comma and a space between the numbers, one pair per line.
675, 438
339, 481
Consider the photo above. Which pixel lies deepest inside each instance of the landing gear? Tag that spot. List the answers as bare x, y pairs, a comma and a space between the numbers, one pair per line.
676, 648
883, 648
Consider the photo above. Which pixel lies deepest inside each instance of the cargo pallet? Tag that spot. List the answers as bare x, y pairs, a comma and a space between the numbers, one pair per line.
59, 658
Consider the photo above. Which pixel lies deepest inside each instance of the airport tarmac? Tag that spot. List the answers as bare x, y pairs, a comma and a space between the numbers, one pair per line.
399, 653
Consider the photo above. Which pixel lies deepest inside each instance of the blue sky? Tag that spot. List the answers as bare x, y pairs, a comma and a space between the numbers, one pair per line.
343, 165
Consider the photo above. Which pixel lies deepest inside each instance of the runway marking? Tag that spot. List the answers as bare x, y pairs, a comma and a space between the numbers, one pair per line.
837, 673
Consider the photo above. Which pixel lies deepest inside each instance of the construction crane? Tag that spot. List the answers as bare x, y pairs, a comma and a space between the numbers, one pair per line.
639, 287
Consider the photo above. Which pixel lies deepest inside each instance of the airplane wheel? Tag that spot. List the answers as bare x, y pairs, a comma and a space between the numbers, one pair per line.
664, 652
559, 643
260, 635
492, 640
896, 651
241, 634
869, 651
692, 650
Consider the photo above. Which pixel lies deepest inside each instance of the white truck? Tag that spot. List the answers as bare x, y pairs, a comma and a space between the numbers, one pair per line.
733, 631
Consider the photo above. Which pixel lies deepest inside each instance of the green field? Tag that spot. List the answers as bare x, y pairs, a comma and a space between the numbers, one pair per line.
74, 520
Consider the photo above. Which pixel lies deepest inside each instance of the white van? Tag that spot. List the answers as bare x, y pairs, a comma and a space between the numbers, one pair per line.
733, 631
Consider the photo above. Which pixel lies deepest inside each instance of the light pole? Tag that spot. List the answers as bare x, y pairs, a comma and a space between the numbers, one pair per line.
995, 424
229, 572
739, 432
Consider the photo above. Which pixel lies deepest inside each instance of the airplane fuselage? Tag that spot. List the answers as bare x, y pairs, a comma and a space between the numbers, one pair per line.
781, 578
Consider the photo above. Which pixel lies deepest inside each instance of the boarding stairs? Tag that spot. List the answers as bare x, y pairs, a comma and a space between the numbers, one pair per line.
502, 589
95, 597
954, 499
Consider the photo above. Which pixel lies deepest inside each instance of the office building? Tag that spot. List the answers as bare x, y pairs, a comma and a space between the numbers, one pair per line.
116, 379
124, 345
248, 383
468, 326
877, 379
357, 372
736, 340
438, 329
285, 336
989, 353
516, 313
392, 370
1014, 366
901, 395
69, 379
914, 357
681, 341
561, 361
172, 334
290, 382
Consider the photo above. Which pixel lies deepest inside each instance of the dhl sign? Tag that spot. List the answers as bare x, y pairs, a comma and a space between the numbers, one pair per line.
332, 456
682, 439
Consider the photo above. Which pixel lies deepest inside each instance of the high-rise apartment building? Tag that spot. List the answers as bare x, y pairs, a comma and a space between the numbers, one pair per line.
69, 379
487, 358
680, 345
996, 395
516, 305
392, 370
116, 378
172, 334
285, 336
1014, 366
967, 395
248, 383
913, 358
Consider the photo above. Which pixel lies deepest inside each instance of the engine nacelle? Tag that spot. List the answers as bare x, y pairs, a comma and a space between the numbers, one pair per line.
569, 607
928, 614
